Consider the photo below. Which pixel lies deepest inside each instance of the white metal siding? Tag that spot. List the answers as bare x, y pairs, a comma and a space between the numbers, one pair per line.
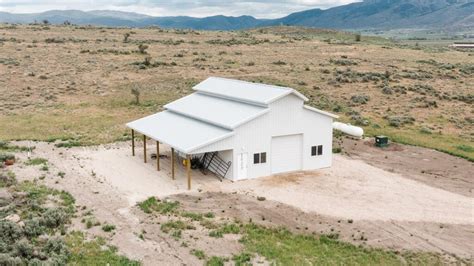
286, 117
286, 153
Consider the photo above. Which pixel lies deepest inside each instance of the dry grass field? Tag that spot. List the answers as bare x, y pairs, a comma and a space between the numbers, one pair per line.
73, 84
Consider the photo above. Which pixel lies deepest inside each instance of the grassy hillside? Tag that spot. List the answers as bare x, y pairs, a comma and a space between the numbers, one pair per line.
73, 84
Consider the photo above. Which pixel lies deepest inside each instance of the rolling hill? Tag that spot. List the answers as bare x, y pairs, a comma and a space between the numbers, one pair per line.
369, 14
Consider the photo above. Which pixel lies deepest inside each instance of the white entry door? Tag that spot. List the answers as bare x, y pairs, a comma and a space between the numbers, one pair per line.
242, 165
287, 153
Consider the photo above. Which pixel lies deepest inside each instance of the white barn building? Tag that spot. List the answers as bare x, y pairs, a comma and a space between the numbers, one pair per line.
251, 129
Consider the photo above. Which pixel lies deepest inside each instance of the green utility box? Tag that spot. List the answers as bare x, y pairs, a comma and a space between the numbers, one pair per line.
381, 141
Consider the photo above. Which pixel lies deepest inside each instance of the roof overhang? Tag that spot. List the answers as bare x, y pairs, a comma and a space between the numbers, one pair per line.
183, 133
320, 111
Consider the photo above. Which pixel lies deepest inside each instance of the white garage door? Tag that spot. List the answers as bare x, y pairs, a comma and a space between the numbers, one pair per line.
286, 153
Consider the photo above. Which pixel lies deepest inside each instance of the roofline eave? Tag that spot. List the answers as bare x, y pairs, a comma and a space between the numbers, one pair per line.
320, 111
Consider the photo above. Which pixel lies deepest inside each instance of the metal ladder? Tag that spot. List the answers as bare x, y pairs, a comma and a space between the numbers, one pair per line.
211, 161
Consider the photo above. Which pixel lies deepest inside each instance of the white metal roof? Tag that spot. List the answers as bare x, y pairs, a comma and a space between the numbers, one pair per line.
255, 93
183, 133
212, 113
218, 111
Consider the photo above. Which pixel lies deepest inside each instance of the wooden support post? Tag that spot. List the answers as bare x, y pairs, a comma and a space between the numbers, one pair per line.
172, 163
188, 170
158, 156
144, 148
133, 142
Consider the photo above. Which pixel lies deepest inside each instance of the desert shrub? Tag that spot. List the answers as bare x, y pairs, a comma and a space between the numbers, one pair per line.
429, 103
135, 91
422, 89
198, 253
55, 245
7, 179
225, 229
234, 41
279, 63
107, 51
154, 204
6, 156
447, 66
142, 48
325, 71
3, 144
176, 225
242, 258
343, 62
215, 261
429, 62
54, 40
398, 121
33, 227
89, 224
147, 60
68, 144
171, 42
216, 233
108, 227
209, 215
467, 69
465, 148
350, 76
208, 224
425, 130
360, 99
419, 75
126, 36
23, 249
36, 161
387, 90
469, 98
193, 216
10, 232
230, 229
44, 167
55, 217
6, 259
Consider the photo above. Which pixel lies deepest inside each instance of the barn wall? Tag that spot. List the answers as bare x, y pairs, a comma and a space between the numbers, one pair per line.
286, 117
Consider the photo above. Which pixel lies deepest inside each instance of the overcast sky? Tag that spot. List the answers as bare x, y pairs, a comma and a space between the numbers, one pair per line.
200, 8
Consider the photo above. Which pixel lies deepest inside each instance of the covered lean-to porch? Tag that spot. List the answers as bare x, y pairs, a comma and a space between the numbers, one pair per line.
182, 135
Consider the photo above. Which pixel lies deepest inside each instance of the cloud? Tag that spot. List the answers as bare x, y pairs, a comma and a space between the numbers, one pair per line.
201, 8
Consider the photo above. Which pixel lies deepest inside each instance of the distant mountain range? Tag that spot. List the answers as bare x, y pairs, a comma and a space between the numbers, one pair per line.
369, 14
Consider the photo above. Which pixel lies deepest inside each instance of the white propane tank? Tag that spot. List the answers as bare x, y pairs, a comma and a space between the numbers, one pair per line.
348, 129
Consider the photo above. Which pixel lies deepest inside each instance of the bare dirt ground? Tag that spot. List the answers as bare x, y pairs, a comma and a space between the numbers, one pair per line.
428, 166
364, 204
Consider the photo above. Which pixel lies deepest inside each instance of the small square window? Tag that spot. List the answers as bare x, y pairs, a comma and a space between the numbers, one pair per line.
263, 157
313, 150
316, 150
256, 158
320, 150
